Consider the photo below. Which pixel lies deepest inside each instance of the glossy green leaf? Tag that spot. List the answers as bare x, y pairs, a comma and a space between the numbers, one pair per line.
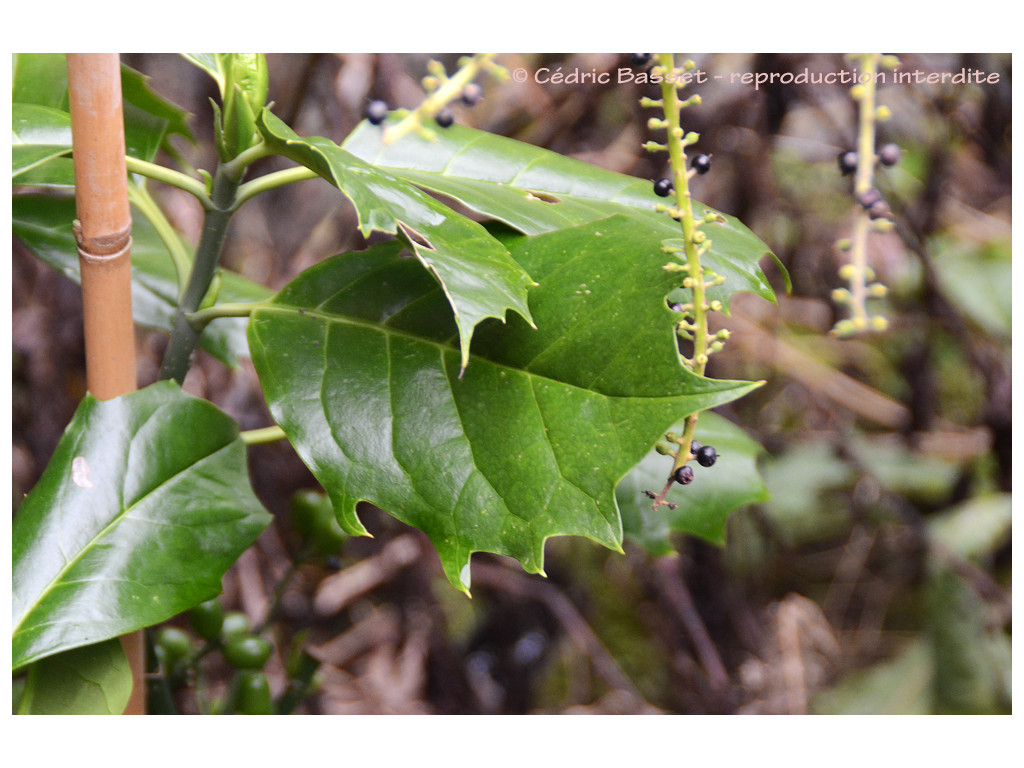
42, 120
136, 91
38, 134
360, 364
212, 64
534, 190
478, 276
143, 506
703, 506
92, 680
40, 78
43, 223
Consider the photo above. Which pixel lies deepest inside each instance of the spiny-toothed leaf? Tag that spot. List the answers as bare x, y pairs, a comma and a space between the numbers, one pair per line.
143, 506
535, 190
360, 365
478, 276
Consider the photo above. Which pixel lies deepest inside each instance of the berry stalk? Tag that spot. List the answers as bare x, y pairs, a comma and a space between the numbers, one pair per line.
676, 143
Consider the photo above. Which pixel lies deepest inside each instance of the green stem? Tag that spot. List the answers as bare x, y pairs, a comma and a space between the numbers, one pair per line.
262, 436
271, 181
184, 337
695, 275
201, 317
237, 166
169, 176
139, 197
863, 181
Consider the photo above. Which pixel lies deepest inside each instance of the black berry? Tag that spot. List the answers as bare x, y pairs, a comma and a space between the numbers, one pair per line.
848, 162
684, 475
706, 455
377, 112
639, 59
701, 163
471, 94
880, 210
445, 118
890, 154
663, 187
868, 197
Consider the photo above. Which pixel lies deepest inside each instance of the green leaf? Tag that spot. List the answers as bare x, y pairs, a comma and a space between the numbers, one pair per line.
143, 506
972, 658
975, 528
136, 91
534, 190
360, 364
38, 134
43, 224
92, 680
212, 64
40, 78
900, 686
475, 271
978, 279
42, 122
704, 506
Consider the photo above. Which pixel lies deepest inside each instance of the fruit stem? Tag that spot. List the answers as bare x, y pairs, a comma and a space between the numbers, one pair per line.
684, 204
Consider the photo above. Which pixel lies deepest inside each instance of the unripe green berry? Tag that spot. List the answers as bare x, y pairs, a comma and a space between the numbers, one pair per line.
207, 619
253, 694
235, 623
247, 651
172, 644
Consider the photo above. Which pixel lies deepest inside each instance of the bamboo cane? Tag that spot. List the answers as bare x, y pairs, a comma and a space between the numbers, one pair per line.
103, 233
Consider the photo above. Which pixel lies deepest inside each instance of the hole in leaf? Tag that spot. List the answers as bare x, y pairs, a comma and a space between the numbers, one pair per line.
542, 196
415, 237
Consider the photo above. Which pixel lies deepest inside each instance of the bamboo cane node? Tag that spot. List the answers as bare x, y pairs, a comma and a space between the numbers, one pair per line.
102, 248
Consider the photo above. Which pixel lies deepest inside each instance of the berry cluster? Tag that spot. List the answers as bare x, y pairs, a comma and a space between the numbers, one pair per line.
442, 90
377, 110
705, 455
874, 211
